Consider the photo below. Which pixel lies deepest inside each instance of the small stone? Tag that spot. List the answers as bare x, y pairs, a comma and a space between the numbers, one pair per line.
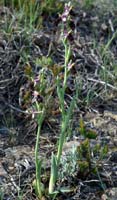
104, 197
115, 141
113, 157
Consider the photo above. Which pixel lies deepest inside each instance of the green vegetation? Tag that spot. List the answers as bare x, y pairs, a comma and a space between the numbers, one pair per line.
84, 159
1, 195
65, 118
66, 76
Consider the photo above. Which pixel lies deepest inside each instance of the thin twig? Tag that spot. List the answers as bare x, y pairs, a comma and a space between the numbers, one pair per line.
5, 80
22, 111
103, 83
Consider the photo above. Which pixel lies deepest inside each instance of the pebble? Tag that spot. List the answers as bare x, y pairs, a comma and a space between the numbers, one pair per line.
113, 157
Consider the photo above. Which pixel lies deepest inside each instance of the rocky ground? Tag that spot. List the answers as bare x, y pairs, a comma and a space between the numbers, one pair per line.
94, 70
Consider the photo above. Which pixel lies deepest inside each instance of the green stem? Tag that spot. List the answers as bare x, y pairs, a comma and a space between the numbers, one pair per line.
61, 141
61, 98
109, 43
37, 160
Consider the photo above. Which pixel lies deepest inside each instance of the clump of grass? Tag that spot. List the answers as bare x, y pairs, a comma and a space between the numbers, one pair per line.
51, 7
29, 14
108, 68
88, 3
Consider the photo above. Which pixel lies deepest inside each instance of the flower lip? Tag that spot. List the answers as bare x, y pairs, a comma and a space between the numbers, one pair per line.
66, 12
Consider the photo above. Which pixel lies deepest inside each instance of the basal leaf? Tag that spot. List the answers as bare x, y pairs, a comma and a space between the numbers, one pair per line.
91, 134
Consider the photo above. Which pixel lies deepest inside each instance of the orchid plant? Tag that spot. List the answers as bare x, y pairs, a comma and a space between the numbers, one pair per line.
65, 114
